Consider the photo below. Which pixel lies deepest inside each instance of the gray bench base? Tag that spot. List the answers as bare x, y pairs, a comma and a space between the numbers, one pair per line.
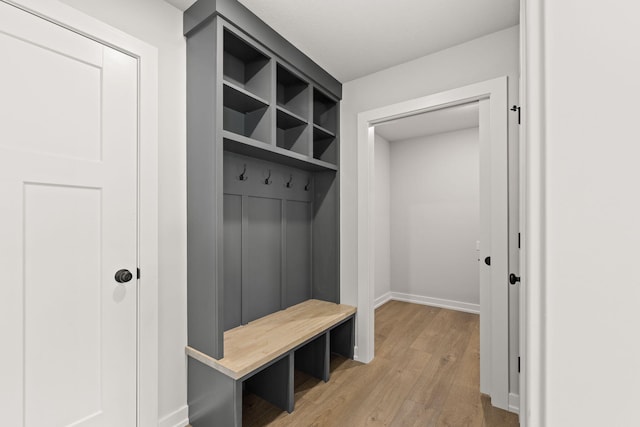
215, 399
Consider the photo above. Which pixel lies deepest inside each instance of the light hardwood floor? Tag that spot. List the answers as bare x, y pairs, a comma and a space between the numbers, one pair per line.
426, 373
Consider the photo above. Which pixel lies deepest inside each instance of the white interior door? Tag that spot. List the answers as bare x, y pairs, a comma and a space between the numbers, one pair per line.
68, 191
494, 243
485, 248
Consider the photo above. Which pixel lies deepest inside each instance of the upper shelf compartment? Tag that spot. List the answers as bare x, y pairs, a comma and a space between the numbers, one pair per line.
247, 82
325, 124
292, 92
245, 66
325, 111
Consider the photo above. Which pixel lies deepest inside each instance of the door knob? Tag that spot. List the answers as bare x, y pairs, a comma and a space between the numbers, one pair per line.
513, 279
123, 276
487, 260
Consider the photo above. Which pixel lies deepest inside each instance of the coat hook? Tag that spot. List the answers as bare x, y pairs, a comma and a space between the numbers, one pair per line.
306, 187
267, 180
243, 176
290, 179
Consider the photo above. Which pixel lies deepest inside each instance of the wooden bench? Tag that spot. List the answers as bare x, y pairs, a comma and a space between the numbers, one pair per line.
260, 358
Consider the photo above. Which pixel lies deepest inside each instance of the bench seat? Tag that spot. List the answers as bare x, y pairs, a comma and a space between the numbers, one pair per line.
261, 355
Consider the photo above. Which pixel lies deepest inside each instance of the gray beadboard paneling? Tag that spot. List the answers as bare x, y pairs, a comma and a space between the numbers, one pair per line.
232, 261
298, 252
261, 289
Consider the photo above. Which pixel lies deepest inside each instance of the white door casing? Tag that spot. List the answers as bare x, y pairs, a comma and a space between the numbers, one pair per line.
68, 197
494, 301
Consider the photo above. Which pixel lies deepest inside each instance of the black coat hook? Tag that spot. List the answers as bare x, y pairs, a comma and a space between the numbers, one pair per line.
243, 176
290, 179
306, 187
267, 180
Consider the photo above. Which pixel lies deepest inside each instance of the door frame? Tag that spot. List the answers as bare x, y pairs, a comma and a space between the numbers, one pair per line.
533, 330
494, 346
147, 169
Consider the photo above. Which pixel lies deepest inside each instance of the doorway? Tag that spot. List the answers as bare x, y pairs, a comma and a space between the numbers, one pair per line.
427, 198
494, 329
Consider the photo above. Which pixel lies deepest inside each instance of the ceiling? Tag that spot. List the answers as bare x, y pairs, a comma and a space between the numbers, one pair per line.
353, 38
431, 123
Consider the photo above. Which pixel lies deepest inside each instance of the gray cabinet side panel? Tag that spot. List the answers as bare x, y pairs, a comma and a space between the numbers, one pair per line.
261, 289
232, 261
326, 284
298, 252
204, 203
214, 398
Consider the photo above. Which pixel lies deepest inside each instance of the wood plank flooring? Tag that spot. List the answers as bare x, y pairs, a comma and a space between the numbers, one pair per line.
426, 373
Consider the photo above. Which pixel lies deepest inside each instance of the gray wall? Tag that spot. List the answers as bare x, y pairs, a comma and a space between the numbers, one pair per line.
484, 58
435, 202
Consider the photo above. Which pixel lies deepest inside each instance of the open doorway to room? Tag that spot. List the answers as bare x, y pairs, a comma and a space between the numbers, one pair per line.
434, 264
429, 194
427, 209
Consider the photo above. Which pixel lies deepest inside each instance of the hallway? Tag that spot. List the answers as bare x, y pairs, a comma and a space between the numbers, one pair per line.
425, 373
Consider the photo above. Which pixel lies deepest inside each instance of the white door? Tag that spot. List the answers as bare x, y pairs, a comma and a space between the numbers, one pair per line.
494, 244
68, 222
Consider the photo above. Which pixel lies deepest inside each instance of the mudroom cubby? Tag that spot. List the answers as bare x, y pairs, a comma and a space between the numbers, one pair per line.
325, 125
263, 218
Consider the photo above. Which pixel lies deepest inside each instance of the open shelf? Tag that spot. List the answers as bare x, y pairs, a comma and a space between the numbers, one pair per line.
322, 132
325, 111
324, 145
250, 147
241, 100
244, 113
292, 92
291, 132
245, 66
288, 119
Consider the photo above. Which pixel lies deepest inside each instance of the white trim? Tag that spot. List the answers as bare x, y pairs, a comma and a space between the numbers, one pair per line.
147, 56
382, 299
514, 403
494, 348
178, 418
436, 302
532, 217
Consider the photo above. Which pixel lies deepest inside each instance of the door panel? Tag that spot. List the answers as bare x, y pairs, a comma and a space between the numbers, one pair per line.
51, 80
68, 200
62, 303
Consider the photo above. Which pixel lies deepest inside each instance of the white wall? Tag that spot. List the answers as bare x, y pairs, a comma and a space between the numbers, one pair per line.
435, 218
382, 185
586, 109
160, 24
485, 58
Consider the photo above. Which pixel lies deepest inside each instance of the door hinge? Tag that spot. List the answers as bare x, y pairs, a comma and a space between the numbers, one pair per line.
516, 108
518, 240
137, 273
518, 363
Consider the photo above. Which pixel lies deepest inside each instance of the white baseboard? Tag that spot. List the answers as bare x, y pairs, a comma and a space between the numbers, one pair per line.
381, 300
514, 403
436, 302
178, 418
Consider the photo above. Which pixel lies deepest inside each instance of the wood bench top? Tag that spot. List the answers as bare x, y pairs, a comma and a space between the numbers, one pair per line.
251, 346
